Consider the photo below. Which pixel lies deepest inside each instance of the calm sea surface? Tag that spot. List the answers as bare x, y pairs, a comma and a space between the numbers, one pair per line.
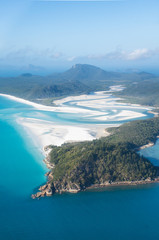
123, 213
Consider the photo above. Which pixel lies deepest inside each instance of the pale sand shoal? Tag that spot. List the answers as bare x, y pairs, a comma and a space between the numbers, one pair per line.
98, 101
123, 115
46, 133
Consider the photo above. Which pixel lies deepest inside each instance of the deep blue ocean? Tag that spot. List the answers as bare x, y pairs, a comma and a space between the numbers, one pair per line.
118, 213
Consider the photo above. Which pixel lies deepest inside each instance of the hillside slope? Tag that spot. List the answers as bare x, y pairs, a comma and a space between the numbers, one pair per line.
80, 79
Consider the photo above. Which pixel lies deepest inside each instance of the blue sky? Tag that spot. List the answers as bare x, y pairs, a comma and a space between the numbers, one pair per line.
115, 35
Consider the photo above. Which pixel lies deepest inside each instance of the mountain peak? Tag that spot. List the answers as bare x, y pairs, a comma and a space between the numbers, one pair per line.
87, 73
26, 75
84, 66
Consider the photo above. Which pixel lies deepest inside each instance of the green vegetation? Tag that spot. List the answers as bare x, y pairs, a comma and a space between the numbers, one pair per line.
37, 88
137, 133
110, 159
144, 92
80, 79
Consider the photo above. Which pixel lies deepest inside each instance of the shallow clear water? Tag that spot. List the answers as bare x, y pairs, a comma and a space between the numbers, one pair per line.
113, 213
152, 153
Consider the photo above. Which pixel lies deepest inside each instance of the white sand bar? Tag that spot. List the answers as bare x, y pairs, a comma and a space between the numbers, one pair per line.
46, 108
46, 133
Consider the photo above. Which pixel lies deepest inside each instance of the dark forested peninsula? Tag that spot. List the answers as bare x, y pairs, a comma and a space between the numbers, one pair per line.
111, 160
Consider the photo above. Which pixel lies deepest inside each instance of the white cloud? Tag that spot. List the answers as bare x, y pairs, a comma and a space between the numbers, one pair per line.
139, 53
30, 53
70, 59
56, 55
50, 56
110, 55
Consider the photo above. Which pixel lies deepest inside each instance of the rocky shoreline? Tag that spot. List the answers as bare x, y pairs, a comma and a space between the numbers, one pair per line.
124, 183
46, 189
49, 189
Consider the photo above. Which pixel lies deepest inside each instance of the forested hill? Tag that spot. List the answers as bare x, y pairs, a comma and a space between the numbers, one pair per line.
111, 159
81, 78
145, 92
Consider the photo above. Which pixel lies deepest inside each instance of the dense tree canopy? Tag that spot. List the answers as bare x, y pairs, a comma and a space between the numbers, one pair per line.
106, 160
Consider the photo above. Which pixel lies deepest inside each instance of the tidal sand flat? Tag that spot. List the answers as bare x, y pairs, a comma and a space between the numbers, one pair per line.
77, 118
46, 133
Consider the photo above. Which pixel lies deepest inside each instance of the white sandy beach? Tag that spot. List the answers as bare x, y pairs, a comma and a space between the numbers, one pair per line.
46, 133
44, 107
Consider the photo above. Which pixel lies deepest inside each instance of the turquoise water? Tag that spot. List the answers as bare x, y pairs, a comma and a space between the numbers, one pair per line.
118, 213
152, 153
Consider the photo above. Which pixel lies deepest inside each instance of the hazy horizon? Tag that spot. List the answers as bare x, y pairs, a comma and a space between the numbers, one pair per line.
49, 36
11, 71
